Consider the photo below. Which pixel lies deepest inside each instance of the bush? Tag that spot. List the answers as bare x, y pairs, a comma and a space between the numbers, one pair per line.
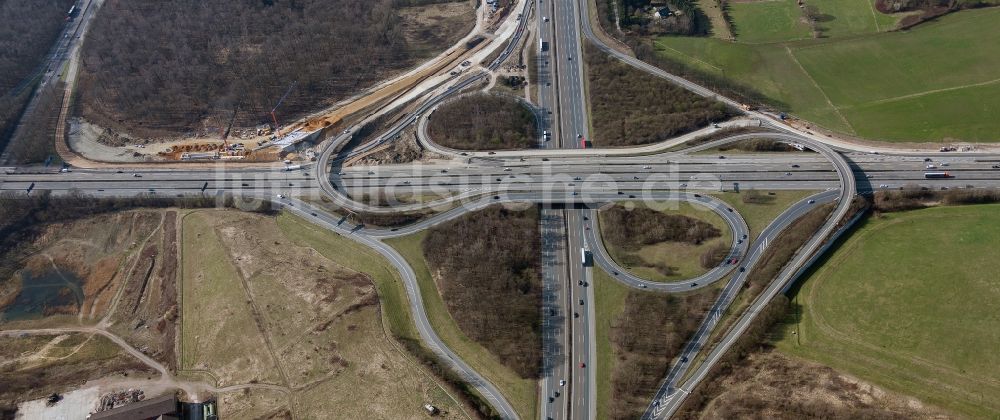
630, 107
484, 122
488, 270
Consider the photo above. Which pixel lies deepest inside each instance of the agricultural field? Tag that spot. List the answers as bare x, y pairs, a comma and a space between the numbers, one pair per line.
756, 22
933, 83
926, 280
672, 259
261, 305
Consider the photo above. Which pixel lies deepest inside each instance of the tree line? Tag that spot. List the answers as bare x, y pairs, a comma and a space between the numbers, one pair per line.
489, 269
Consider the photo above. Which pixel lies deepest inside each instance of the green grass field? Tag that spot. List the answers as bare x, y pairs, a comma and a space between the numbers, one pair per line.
909, 302
936, 82
521, 393
767, 21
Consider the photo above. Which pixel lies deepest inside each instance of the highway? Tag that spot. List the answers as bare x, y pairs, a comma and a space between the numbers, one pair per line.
569, 182
573, 122
557, 369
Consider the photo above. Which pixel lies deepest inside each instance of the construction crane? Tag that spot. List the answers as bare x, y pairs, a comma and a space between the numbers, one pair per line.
287, 91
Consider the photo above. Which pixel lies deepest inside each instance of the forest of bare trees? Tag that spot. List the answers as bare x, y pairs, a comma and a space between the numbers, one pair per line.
484, 122
29, 30
35, 141
643, 359
163, 68
489, 268
630, 229
630, 107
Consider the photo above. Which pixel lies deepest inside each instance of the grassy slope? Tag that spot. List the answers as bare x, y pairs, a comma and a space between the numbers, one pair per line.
350, 254
857, 67
684, 257
758, 216
520, 392
926, 281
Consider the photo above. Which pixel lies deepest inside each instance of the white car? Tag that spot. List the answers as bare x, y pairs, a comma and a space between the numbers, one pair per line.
562, 382
647, 167
931, 166
281, 196
545, 19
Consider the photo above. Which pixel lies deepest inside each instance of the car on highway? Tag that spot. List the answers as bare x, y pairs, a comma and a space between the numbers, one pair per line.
795, 165
733, 260
137, 175
506, 169
811, 202
281, 196
931, 166
545, 18
694, 284
996, 166
742, 269
583, 365
581, 301
788, 173
562, 382
647, 167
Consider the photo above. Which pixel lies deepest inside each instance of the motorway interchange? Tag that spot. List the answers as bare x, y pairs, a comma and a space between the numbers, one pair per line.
569, 185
